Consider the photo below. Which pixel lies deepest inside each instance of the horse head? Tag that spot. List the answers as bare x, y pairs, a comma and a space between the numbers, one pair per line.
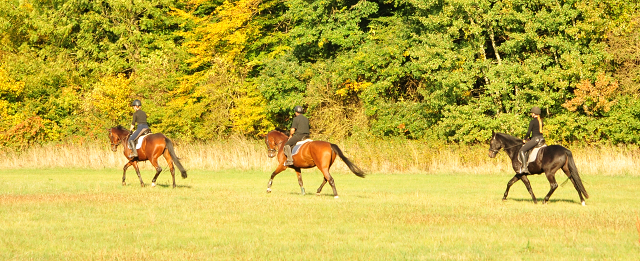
274, 140
495, 145
116, 136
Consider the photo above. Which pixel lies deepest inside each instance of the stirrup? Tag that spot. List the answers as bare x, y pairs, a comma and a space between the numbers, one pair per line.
288, 163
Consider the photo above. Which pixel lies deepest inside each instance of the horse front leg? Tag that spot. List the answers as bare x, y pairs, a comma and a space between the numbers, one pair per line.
124, 173
526, 182
324, 181
513, 180
279, 169
299, 174
135, 166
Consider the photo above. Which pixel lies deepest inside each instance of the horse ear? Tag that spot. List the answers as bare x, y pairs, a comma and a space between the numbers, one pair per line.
493, 133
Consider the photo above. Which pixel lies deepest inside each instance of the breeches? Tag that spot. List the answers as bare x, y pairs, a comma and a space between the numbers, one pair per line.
531, 143
295, 138
137, 132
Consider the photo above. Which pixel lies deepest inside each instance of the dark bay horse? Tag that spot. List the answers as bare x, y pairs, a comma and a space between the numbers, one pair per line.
549, 160
319, 154
151, 148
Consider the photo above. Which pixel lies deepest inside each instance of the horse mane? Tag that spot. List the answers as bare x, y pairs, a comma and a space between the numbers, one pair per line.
281, 131
119, 127
511, 140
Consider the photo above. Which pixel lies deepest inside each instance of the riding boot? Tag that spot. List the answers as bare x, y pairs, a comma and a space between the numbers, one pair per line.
522, 156
287, 152
134, 152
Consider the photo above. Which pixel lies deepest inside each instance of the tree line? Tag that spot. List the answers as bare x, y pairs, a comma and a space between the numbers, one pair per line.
451, 70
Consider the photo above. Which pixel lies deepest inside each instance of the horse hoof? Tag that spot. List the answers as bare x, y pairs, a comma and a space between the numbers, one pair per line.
583, 203
268, 190
336, 197
318, 194
124, 184
153, 185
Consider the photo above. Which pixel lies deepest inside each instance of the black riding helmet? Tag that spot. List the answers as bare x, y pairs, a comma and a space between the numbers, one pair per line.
136, 103
298, 109
536, 110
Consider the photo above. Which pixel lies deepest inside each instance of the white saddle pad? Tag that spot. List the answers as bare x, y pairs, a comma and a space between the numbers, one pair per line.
534, 154
295, 149
139, 143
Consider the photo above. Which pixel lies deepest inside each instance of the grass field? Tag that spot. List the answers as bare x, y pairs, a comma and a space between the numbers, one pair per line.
78, 214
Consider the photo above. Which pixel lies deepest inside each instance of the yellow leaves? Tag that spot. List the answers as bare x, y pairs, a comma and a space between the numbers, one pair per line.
248, 114
596, 97
349, 87
111, 97
224, 34
8, 86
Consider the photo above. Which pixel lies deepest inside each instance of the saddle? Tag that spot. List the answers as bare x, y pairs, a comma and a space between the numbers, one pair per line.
533, 153
296, 147
138, 139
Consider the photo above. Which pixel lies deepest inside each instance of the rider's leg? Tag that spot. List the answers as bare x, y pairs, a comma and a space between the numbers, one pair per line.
288, 146
132, 144
287, 152
522, 155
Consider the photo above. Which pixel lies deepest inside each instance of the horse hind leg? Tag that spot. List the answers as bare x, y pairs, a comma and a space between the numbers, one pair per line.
554, 185
568, 173
154, 162
324, 181
167, 156
329, 178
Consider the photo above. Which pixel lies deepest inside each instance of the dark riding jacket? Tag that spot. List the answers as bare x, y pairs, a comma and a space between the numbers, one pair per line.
140, 121
301, 124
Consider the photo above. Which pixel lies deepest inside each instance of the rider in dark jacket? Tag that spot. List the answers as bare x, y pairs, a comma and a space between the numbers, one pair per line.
534, 135
299, 131
139, 119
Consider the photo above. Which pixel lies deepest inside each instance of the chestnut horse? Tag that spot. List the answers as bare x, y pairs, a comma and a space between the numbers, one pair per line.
152, 147
549, 160
319, 154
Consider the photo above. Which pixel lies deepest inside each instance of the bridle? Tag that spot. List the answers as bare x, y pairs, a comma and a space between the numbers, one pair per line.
118, 140
498, 150
270, 150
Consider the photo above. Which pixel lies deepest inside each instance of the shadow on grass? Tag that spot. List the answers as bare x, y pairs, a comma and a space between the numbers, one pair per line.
313, 194
169, 185
540, 200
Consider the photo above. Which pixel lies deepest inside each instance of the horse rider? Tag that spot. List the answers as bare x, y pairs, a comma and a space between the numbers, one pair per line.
139, 120
534, 135
299, 131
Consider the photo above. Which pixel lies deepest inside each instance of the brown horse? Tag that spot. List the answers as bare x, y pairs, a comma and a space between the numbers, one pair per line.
549, 160
151, 148
319, 154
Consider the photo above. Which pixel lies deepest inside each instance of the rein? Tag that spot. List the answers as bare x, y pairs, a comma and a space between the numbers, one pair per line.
498, 150
274, 150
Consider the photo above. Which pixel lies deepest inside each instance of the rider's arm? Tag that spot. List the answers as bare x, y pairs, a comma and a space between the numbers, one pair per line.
133, 121
291, 132
530, 130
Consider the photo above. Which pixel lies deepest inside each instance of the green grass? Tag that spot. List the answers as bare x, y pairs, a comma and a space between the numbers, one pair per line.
227, 215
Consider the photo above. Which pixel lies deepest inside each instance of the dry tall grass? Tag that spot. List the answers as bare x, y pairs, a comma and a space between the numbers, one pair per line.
378, 156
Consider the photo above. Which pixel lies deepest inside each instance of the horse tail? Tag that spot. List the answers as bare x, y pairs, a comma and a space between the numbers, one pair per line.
175, 158
355, 169
574, 174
